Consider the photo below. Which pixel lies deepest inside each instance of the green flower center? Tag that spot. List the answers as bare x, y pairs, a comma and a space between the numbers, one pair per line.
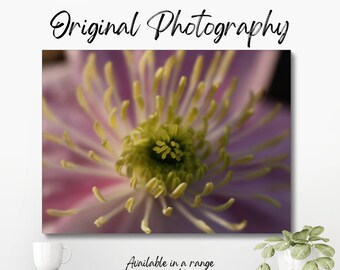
161, 157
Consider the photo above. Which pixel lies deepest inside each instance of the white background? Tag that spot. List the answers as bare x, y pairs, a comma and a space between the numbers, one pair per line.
314, 40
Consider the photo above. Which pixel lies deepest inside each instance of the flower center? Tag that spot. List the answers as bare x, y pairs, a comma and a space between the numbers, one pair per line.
160, 157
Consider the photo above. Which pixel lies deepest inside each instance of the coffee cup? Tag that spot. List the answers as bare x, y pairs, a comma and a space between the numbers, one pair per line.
49, 255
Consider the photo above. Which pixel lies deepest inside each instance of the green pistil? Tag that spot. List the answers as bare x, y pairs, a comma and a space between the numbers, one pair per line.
164, 154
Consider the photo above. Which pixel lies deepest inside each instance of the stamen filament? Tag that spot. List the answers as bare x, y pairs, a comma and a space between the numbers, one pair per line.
198, 223
255, 174
99, 222
268, 199
98, 195
225, 224
222, 207
61, 213
129, 204
167, 210
145, 221
179, 191
208, 189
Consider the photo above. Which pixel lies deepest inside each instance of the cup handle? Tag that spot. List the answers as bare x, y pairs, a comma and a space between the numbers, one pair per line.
68, 256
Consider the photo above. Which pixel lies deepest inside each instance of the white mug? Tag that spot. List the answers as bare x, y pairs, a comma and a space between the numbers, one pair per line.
49, 255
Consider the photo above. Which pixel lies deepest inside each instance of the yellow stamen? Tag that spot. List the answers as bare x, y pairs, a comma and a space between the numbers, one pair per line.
224, 110
196, 71
268, 199
99, 222
200, 224
139, 101
231, 89
181, 86
113, 119
157, 80
145, 226
271, 142
147, 58
192, 116
90, 72
129, 204
47, 111
213, 66
179, 191
243, 160
198, 93
145, 222
225, 65
159, 105
119, 166
222, 207
98, 195
203, 226
124, 109
92, 155
67, 164
167, 211
109, 75
82, 100
105, 143
224, 139
270, 116
51, 137
257, 174
208, 189
225, 224
99, 130
226, 180
61, 213
152, 184
128, 59
169, 64
197, 201
212, 109
133, 182
244, 118
67, 139
212, 92
107, 99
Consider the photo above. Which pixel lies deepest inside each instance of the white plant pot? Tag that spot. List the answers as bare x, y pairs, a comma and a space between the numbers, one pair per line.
286, 262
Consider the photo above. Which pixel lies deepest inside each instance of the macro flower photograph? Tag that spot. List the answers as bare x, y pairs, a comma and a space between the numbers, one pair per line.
195, 141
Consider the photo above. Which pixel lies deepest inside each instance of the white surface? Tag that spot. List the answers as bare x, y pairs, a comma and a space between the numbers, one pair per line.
314, 41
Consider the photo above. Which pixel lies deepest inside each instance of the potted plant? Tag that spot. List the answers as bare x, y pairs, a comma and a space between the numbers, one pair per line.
305, 250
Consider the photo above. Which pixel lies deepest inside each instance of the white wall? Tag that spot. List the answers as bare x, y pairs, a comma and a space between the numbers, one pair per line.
314, 41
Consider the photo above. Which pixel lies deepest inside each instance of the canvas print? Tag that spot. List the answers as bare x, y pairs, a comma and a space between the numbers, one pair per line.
194, 141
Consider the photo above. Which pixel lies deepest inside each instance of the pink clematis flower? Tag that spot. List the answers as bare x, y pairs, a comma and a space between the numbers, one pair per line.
164, 141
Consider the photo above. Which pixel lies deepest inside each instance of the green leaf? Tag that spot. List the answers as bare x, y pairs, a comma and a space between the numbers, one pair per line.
263, 266
273, 239
260, 246
318, 238
325, 263
300, 251
268, 252
287, 234
300, 236
311, 265
325, 250
282, 245
317, 230
309, 228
